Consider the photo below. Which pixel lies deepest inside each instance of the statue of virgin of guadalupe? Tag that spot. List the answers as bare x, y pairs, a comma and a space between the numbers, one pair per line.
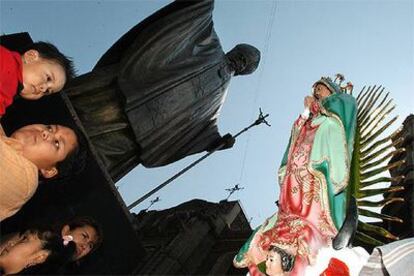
313, 177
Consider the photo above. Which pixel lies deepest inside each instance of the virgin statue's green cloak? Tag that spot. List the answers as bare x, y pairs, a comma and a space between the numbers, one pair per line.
332, 147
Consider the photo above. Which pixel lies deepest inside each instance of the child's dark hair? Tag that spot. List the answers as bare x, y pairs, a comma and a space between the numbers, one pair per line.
87, 221
50, 52
75, 161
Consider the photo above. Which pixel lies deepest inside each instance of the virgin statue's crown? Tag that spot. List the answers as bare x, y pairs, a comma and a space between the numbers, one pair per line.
336, 86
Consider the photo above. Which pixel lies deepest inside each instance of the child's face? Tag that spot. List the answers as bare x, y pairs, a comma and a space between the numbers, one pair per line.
41, 76
46, 145
85, 238
273, 263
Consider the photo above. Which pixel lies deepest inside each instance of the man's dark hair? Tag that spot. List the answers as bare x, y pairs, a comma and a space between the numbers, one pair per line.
75, 161
50, 52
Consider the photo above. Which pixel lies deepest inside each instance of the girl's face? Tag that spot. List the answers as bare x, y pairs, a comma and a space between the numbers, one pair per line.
85, 238
22, 251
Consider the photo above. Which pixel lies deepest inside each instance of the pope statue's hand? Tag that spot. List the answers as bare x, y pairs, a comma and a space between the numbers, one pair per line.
227, 141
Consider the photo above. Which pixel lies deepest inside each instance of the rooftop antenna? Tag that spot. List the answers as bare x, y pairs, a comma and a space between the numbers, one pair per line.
152, 202
233, 190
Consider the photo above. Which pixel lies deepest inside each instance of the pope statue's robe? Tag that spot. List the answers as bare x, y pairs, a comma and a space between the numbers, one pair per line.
155, 96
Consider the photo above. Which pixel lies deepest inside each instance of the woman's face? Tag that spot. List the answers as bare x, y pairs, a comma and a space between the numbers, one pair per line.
321, 91
46, 145
85, 238
22, 251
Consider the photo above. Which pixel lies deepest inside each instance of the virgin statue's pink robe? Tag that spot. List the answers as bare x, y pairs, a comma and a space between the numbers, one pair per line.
303, 224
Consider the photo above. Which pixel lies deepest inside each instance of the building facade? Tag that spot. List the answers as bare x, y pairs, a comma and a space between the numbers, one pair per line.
194, 238
405, 209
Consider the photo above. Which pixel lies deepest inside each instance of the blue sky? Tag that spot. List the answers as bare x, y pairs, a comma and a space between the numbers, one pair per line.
370, 42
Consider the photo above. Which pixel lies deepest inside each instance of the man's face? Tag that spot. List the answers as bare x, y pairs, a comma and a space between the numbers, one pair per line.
321, 91
85, 238
22, 251
273, 263
46, 145
41, 76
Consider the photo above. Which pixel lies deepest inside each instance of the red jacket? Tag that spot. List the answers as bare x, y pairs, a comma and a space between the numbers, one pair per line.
10, 77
